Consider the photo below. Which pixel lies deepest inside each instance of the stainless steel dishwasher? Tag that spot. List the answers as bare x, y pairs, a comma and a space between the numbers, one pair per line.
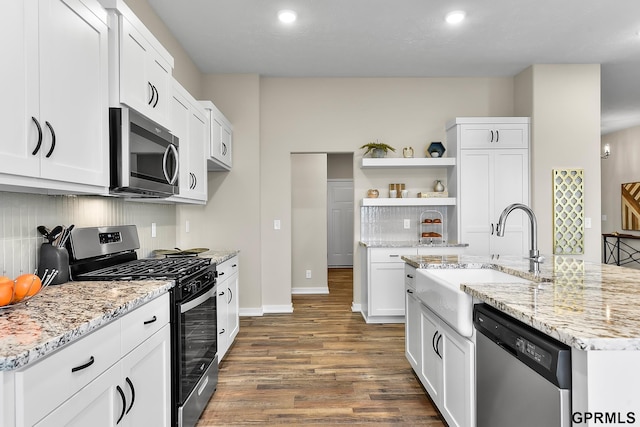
523, 377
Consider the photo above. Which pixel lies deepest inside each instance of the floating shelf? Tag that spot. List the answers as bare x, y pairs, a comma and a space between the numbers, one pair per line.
431, 201
402, 162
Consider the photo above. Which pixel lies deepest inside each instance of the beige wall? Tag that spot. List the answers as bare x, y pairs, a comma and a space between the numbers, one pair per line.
335, 115
309, 223
563, 102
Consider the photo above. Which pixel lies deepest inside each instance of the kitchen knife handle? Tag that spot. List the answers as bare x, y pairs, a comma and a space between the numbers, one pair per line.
86, 365
53, 139
39, 136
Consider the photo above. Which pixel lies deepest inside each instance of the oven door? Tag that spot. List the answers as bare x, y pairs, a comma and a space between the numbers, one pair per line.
196, 337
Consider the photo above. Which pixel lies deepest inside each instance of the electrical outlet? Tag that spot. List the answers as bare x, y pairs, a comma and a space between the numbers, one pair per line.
276, 224
187, 226
308, 274
407, 224
587, 223
153, 229
604, 217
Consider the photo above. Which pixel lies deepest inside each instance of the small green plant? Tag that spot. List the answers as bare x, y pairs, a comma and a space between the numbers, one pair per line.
371, 146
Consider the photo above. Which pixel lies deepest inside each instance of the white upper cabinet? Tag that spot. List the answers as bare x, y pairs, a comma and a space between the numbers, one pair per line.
140, 67
189, 123
492, 132
56, 123
221, 139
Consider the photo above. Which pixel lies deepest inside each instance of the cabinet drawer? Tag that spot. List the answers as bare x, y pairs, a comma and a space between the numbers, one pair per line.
390, 254
494, 136
44, 385
410, 276
143, 322
227, 268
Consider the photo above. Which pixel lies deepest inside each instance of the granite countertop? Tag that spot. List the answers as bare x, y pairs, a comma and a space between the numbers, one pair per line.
60, 314
220, 256
588, 306
411, 244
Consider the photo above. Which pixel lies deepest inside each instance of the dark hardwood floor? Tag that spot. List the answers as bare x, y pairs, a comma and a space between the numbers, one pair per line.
321, 365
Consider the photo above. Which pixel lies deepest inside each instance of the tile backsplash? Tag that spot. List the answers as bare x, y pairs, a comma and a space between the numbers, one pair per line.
20, 214
380, 224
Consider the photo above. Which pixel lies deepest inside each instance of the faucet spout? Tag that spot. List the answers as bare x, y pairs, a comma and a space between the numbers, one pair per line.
534, 255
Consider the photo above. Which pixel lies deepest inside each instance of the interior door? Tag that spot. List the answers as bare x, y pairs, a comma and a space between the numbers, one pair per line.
340, 223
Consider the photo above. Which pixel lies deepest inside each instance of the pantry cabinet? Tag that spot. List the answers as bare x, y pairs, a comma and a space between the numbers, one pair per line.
493, 172
189, 124
140, 68
220, 139
119, 374
56, 125
228, 304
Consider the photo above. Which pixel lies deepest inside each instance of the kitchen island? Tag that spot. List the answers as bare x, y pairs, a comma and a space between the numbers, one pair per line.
591, 307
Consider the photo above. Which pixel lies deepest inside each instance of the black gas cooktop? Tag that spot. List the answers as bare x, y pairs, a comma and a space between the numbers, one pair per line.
175, 267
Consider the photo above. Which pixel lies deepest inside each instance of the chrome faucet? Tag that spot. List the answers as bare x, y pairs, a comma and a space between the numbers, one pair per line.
534, 255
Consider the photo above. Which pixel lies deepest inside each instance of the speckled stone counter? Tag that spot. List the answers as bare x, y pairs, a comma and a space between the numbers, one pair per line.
63, 313
411, 244
588, 306
220, 256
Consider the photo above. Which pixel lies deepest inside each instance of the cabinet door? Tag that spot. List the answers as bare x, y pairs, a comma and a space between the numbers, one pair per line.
431, 367
159, 75
197, 159
458, 378
386, 289
19, 86
99, 404
226, 145
495, 135
233, 308
73, 93
223, 319
510, 172
412, 330
476, 210
180, 128
146, 381
136, 90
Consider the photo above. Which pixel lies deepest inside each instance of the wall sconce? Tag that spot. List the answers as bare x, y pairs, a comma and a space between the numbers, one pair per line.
607, 151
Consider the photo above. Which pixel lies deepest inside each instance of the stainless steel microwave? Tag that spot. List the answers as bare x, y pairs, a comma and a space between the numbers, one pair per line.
144, 156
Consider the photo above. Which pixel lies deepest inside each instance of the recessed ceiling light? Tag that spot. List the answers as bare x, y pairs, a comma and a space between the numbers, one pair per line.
455, 17
287, 16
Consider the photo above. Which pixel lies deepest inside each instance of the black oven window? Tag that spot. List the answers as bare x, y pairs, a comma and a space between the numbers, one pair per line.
198, 343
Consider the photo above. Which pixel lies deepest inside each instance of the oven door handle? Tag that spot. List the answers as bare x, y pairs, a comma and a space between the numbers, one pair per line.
196, 302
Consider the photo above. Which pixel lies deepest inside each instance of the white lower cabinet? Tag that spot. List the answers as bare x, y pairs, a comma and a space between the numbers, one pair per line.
228, 304
413, 331
443, 360
102, 379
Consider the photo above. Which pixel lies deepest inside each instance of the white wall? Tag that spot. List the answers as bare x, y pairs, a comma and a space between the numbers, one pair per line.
309, 223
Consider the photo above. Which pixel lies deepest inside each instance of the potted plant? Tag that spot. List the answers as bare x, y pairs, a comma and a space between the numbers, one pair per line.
377, 149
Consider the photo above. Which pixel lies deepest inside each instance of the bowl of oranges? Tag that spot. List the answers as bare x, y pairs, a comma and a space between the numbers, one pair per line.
19, 290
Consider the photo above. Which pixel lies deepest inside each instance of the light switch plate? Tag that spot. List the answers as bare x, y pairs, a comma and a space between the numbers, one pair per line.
407, 224
153, 229
276, 224
587, 223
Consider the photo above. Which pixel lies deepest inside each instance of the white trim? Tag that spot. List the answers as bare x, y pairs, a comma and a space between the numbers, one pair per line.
356, 308
277, 308
255, 311
323, 290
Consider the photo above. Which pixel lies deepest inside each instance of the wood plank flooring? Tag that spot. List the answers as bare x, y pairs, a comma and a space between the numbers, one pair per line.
321, 365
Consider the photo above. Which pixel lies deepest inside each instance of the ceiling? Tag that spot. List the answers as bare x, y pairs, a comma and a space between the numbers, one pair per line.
409, 38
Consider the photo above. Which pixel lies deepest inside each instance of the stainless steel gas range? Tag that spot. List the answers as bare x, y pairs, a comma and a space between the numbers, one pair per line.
109, 253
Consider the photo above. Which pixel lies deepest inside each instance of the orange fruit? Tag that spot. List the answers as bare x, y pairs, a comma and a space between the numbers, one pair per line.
26, 285
6, 290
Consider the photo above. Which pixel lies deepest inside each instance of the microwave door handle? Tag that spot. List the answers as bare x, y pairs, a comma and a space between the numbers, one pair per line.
196, 302
172, 148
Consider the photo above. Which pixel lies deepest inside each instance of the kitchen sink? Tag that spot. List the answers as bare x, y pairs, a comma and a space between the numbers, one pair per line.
439, 289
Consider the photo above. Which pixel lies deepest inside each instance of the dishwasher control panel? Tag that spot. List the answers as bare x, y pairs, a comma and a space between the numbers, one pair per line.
539, 355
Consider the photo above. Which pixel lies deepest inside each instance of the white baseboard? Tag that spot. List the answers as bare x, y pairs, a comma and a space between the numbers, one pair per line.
246, 312
356, 308
277, 308
324, 290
